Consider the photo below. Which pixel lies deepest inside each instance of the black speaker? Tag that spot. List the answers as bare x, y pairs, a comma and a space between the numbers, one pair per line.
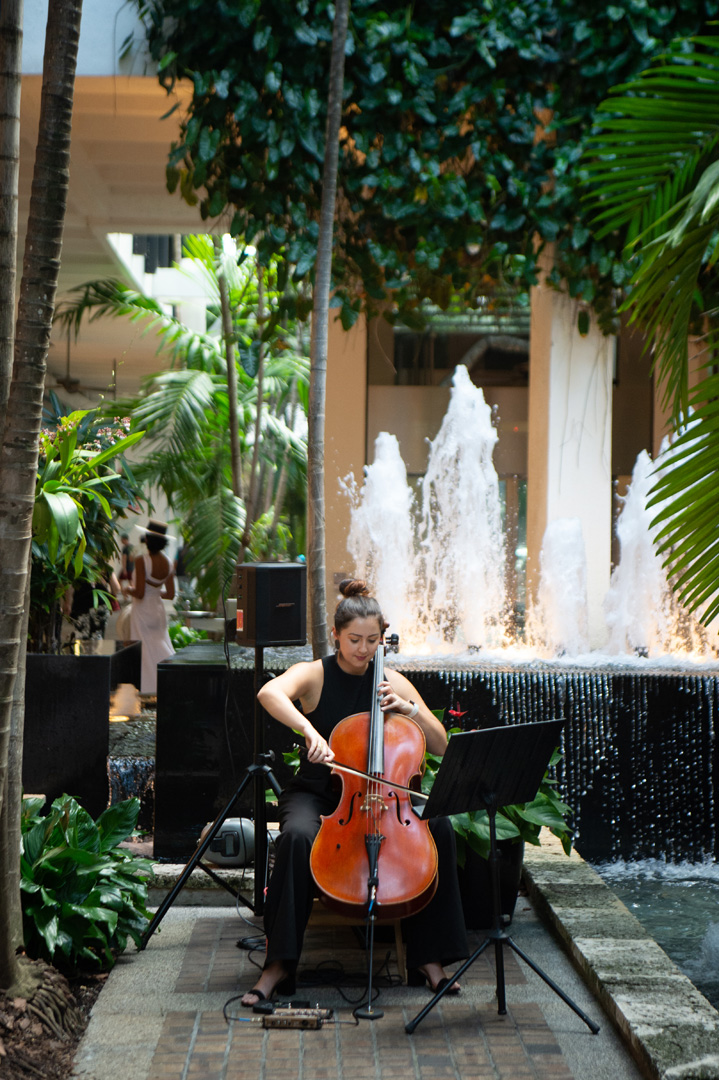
272, 604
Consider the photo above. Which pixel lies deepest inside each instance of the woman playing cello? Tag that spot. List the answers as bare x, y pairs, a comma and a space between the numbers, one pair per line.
328, 691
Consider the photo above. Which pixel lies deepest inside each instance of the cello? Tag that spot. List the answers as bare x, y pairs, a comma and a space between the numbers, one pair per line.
374, 855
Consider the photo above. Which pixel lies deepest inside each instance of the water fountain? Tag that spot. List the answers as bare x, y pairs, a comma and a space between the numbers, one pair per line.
640, 761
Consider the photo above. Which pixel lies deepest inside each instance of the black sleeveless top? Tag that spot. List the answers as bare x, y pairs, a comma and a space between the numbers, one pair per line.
342, 695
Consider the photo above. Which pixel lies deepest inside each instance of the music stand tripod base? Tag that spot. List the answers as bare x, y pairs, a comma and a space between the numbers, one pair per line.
475, 774
259, 773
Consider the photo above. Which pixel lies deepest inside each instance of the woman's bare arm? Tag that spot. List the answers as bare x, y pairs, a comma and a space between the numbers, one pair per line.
301, 682
138, 589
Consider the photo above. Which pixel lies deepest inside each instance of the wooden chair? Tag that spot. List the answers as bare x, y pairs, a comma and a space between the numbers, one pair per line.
323, 917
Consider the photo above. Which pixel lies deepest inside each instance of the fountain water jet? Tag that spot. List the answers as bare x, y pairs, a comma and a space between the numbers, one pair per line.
640, 608
439, 568
557, 623
381, 538
640, 764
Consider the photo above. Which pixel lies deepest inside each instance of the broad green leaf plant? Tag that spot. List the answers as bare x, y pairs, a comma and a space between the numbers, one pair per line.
84, 485
82, 895
653, 170
71, 477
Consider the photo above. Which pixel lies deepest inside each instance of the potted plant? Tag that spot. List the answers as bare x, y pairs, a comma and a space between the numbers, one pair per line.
516, 825
83, 487
84, 484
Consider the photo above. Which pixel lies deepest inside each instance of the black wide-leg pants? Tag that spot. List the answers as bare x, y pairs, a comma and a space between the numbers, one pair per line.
436, 932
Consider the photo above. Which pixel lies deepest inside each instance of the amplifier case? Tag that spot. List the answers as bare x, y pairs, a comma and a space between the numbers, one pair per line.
272, 604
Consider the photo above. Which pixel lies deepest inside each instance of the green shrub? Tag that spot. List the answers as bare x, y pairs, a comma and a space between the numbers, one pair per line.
181, 635
82, 896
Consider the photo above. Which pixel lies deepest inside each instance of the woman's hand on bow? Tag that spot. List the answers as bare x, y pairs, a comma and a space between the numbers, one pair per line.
318, 750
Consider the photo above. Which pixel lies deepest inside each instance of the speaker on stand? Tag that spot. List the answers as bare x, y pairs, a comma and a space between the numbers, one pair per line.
271, 611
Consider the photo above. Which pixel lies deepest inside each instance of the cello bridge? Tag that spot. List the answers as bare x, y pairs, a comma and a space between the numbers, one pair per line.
372, 803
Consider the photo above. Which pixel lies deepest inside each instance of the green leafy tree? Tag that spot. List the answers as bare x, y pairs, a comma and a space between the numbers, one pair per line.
186, 411
443, 184
654, 170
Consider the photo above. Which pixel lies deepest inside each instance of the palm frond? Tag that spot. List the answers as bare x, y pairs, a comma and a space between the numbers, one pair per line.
656, 135
214, 525
176, 408
112, 298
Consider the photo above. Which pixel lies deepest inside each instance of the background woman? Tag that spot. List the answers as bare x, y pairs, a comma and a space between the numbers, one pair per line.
329, 690
153, 582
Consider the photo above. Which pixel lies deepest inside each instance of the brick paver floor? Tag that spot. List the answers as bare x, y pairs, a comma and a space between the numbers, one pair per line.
458, 1040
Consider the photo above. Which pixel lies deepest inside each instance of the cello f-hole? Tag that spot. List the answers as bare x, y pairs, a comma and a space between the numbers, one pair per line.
346, 821
398, 808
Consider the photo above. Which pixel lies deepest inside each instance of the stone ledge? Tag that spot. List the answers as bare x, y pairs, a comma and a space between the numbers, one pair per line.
199, 890
670, 1028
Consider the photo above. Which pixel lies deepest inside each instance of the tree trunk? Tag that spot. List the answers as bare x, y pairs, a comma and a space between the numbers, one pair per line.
227, 333
318, 346
10, 59
11, 932
19, 451
282, 479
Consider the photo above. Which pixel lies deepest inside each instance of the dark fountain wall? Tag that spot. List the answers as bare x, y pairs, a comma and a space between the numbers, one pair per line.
640, 766
641, 760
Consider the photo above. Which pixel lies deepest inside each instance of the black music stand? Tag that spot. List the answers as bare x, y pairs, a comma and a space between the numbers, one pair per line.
485, 770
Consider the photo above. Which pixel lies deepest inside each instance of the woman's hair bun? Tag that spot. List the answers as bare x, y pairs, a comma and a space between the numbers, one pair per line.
354, 587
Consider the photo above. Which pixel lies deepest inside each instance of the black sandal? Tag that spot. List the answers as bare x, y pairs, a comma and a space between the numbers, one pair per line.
415, 977
258, 994
285, 988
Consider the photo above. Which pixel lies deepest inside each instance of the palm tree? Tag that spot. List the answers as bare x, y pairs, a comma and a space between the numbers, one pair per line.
10, 57
229, 502
20, 420
654, 172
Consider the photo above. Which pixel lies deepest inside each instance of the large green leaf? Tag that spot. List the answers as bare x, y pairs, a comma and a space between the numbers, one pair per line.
654, 172
117, 822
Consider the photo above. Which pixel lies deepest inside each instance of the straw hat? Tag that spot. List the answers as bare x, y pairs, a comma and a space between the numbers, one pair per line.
155, 528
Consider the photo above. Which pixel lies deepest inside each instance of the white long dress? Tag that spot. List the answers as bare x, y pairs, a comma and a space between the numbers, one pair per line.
148, 624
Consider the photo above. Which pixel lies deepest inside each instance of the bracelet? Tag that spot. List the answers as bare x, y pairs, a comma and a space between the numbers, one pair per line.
413, 711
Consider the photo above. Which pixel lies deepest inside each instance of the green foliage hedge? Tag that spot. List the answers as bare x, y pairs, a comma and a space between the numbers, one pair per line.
82, 896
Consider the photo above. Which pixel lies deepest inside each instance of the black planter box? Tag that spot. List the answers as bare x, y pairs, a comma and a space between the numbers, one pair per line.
67, 707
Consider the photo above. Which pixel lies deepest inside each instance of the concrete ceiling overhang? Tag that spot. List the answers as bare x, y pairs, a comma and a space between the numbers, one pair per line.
119, 152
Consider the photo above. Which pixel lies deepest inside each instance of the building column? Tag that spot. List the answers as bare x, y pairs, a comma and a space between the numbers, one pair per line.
570, 412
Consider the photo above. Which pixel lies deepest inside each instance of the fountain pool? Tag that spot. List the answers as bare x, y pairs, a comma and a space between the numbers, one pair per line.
678, 904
